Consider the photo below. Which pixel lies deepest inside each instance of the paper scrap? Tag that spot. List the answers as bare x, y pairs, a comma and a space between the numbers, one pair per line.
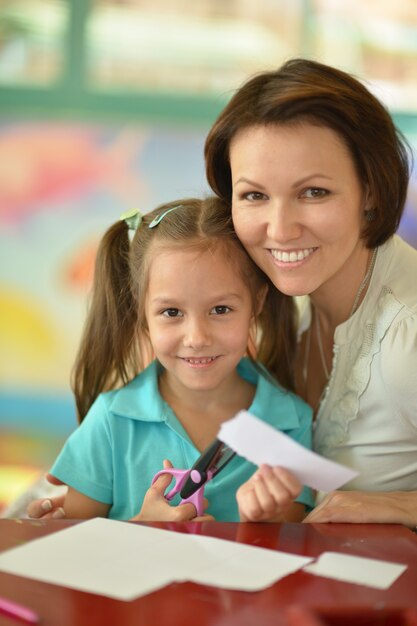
125, 561
354, 569
247, 568
260, 444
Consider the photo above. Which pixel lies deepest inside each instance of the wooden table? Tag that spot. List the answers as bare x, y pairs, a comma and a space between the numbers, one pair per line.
300, 599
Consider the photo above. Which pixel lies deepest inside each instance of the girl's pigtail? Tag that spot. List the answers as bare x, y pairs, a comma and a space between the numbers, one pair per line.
107, 356
277, 337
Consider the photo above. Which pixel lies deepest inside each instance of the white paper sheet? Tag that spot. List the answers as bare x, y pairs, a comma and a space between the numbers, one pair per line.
355, 569
244, 567
260, 443
125, 561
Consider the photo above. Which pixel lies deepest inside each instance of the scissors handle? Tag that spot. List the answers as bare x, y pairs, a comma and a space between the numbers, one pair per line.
181, 477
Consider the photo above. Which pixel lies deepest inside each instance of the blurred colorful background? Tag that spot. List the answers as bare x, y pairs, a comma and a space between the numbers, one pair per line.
104, 105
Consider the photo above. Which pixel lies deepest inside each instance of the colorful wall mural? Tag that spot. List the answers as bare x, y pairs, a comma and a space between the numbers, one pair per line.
61, 185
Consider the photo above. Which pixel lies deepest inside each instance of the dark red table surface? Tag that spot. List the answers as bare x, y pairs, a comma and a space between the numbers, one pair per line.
300, 599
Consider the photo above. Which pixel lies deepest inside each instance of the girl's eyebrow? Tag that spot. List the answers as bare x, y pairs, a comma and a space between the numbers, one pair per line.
164, 301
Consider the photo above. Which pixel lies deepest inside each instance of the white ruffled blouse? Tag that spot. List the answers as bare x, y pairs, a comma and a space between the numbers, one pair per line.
367, 418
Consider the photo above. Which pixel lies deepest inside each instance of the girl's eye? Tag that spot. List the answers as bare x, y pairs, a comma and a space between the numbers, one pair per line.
254, 196
221, 309
314, 192
172, 313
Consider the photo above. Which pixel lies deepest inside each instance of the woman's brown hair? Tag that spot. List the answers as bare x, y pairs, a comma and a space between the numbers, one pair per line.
115, 345
307, 91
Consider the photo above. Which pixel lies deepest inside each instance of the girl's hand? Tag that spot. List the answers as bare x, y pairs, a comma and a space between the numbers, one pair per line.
156, 508
365, 507
269, 495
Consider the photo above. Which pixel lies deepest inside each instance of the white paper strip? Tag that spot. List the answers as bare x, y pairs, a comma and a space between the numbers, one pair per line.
260, 443
355, 569
247, 568
125, 561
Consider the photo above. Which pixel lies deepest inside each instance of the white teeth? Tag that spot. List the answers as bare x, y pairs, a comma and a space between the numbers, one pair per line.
200, 361
291, 257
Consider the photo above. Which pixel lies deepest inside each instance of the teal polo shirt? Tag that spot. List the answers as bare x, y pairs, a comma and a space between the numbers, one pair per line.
120, 445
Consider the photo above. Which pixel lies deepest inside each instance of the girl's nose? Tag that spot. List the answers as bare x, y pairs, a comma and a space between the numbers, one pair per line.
283, 225
197, 334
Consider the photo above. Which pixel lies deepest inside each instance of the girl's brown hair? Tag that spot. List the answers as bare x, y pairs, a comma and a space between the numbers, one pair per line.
307, 91
115, 344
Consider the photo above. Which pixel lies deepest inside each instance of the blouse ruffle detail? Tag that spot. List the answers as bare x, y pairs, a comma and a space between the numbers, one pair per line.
332, 430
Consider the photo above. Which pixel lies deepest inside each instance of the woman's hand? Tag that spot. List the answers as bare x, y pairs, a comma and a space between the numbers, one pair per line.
156, 508
48, 508
366, 507
269, 496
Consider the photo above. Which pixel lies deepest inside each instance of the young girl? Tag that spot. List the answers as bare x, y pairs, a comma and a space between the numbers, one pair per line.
184, 290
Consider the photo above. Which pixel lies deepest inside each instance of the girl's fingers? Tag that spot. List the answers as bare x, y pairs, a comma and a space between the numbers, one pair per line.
249, 507
280, 480
184, 512
270, 495
289, 480
269, 492
163, 482
204, 518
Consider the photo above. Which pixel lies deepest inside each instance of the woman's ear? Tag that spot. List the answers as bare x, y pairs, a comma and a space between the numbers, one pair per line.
369, 211
368, 201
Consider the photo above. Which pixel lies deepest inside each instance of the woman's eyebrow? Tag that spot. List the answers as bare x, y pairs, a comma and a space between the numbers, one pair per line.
306, 178
243, 179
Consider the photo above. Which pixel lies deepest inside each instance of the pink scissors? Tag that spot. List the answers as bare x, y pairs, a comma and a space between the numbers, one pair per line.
190, 483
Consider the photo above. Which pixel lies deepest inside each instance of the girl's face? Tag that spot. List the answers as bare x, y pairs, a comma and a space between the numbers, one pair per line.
199, 311
298, 205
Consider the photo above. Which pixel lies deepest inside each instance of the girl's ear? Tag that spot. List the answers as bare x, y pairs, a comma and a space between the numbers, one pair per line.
260, 299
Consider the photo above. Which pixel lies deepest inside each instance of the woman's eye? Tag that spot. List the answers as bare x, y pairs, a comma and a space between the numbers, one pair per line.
171, 312
314, 192
221, 309
254, 196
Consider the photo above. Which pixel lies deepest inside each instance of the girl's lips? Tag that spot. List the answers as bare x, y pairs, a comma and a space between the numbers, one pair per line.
199, 361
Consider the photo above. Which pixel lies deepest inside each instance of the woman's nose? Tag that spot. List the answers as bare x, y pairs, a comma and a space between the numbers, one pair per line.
283, 224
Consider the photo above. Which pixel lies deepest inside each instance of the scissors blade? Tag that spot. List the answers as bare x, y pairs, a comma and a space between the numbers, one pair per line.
211, 461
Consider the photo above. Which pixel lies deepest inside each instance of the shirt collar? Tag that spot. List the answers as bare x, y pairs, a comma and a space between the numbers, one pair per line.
140, 399
272, 403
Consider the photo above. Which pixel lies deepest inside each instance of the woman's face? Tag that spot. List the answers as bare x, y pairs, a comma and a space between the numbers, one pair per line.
298, 205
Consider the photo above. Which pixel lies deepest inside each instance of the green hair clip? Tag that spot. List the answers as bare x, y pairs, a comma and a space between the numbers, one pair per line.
156, 220
133, 218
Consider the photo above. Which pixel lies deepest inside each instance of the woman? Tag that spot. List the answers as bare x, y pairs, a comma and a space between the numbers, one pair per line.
317, 177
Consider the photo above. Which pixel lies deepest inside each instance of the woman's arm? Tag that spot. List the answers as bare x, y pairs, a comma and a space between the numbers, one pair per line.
366, 507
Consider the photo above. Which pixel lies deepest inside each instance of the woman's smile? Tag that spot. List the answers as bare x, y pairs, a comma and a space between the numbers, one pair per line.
292, 257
